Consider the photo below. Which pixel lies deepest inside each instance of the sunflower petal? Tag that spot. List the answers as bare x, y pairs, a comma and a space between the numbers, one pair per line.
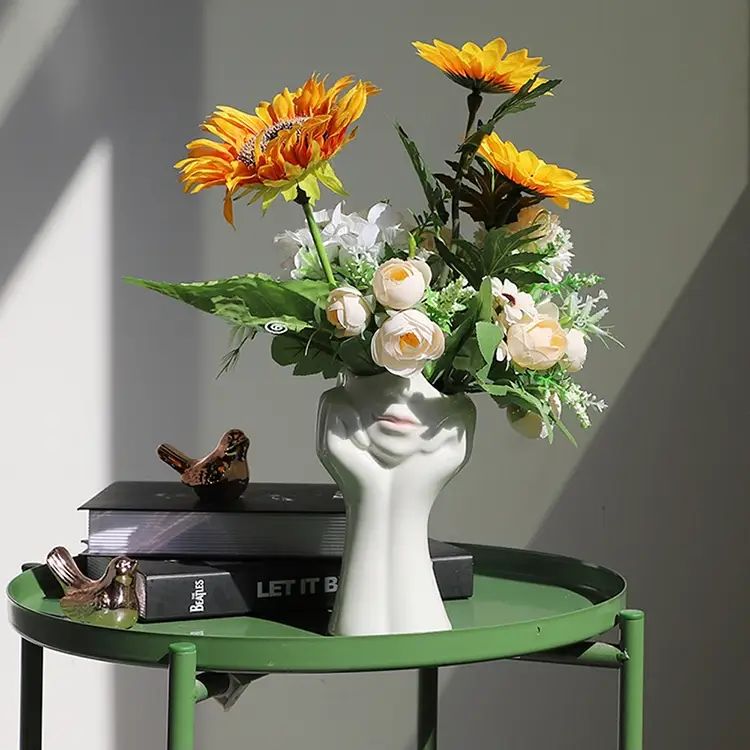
488, 69
533, 174
287, 142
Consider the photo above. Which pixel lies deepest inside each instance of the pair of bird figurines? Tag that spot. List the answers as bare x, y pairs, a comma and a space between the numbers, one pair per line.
221, 476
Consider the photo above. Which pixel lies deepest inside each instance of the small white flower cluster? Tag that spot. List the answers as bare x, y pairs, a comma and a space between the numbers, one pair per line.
446, 302
581, 401
348, 239
556, 266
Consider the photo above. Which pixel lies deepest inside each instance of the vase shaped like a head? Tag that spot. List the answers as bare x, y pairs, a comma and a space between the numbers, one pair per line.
391, 444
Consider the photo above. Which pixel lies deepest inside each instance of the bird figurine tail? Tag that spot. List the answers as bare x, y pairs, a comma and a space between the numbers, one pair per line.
174, 458
64, 568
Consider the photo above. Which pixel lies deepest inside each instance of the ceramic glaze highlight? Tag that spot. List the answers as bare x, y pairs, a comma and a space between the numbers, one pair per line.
391, 444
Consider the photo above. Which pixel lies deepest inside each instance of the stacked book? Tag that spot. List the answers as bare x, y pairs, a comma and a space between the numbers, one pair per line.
275, 551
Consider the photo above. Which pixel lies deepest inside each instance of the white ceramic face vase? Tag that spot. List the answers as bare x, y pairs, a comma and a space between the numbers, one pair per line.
391, 444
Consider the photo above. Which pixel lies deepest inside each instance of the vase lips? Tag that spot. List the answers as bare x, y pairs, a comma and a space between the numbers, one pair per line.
398, 418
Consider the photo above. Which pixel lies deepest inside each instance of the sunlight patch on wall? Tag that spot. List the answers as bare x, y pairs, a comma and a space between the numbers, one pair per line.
55, 436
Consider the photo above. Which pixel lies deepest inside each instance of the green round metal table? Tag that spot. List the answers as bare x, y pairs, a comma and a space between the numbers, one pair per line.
526, 605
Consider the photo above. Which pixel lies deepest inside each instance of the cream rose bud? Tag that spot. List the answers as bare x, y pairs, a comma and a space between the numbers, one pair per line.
575, 354
535, 216
347, 310
400, 284
405, 342
529, 424
537, 344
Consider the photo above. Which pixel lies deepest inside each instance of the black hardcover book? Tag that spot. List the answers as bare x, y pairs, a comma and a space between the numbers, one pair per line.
167, 519
183, 590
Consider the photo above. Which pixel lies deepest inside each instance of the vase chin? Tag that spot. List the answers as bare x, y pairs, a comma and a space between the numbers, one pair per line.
391, 444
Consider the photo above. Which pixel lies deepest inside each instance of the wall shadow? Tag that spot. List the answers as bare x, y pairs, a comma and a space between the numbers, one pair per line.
131, 74
661, 496
155, 60
48, 132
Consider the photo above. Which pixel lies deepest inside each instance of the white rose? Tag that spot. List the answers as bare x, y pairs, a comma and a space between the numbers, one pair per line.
400, 284
537, 344
575, 354
405, 342
348, 311
516, 306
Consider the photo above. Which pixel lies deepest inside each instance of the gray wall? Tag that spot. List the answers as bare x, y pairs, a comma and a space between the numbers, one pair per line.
654, 108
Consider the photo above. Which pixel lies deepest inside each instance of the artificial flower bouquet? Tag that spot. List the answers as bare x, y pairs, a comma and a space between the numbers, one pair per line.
474, 291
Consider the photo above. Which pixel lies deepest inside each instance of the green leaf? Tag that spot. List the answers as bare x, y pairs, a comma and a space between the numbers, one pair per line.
470, 252
432, 190
287, 349
485, 300
499, 247
463, 327
310, 355
472, 275
489, 337
329, 178
315, 291
252, 300
565, 431
469, 358
519, 259
494, 390
509, 393
354, 352
524, 279
522, 100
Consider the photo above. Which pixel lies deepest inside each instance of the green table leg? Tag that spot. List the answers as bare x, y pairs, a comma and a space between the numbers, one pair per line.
181, 718
32, 662
632, 680
428, 709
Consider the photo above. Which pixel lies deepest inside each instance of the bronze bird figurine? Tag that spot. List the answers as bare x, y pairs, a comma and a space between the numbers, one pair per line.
221, 476
110, 600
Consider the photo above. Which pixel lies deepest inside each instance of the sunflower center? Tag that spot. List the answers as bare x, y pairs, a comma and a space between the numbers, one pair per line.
262, 139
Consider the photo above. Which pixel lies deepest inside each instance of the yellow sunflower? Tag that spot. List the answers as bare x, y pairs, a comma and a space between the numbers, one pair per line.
531, 173
286, 144
483, 69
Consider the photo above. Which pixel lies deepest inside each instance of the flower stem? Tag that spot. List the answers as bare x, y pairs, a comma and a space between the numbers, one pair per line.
473, 102
304, 201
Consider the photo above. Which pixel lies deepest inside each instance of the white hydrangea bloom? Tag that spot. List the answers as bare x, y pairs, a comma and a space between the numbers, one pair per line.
353, 237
